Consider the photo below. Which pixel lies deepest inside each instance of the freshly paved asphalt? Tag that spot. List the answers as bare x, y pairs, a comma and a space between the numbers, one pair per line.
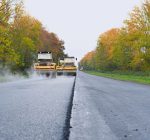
34, 109
106, 109
103, 109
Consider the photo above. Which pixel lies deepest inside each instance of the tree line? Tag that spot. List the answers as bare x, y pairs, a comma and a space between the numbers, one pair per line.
126, 48
22, 36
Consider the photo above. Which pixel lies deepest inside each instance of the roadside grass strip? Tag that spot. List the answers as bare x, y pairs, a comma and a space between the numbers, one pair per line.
124, 77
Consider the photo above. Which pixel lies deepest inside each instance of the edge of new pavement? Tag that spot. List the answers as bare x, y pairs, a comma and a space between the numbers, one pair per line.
86, 123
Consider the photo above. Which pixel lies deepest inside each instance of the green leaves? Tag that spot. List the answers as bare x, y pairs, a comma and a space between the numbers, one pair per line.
127, 48
22, 36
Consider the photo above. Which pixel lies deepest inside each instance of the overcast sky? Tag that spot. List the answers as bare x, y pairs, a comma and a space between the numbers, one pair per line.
80, 22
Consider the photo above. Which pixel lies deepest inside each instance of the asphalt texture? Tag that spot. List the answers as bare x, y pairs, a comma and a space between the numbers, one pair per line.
107, 109
34, 109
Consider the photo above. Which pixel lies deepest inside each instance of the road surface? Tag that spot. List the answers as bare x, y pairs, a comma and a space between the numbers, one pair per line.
106, 109
34, 109
103, 109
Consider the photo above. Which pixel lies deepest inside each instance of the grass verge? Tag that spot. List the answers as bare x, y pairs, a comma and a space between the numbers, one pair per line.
143, 79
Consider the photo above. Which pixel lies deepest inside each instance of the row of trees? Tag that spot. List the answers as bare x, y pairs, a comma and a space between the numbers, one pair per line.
22, 36
126, 48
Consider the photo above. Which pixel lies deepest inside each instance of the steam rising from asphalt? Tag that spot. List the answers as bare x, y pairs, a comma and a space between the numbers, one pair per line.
7, 76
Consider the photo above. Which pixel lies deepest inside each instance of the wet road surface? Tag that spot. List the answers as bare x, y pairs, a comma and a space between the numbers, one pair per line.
34, 109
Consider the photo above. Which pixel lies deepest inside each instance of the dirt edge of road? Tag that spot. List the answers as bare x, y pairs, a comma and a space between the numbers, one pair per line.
66, 130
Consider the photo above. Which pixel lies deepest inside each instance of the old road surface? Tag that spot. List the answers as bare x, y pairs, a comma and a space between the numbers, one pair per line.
35, 109
106, 109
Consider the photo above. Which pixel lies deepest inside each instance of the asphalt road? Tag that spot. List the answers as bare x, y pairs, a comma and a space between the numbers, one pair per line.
106, 109
34, 109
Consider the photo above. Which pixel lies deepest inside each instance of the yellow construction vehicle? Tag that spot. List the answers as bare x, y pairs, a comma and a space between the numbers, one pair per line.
45, 63
45, 66
69, 66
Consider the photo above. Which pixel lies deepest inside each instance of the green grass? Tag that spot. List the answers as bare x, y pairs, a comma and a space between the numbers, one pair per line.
142, 78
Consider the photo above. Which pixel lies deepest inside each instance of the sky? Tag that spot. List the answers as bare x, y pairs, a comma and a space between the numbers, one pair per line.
80, 22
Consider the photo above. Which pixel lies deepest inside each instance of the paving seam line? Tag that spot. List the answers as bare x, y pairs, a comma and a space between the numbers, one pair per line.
66, 129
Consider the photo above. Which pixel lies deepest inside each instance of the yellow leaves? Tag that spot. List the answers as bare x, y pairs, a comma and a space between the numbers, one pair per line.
108, 40
21, 37
87, 59
139, 18
121, 48
28, 43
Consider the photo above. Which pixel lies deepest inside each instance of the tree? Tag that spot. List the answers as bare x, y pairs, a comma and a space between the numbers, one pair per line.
50, 42
88, 61
22, 36
138, 27
25, 39
127, 48
105, 49
7, 53
5, 12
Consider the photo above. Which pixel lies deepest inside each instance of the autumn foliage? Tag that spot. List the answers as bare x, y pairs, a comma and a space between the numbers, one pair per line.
126, 48
22, 36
